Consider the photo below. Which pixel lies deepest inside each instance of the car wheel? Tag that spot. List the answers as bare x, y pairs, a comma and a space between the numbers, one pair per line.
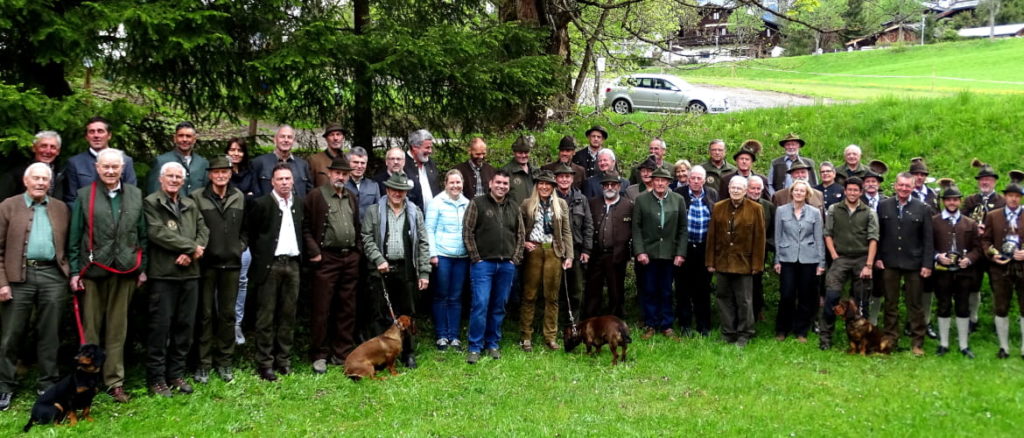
697, 107
622, 106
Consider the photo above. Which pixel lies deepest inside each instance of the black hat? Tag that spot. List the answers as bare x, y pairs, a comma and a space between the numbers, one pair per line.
799, 165
335, 127
750, 147
219, 162
563, 169
948, 189
610, 177
340, 163
568, 143
984, 169
917, 165
791, 137
545, 176
1014, 186
524, 143
598, 128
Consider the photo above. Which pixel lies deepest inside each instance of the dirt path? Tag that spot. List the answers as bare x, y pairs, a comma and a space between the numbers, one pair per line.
739, 98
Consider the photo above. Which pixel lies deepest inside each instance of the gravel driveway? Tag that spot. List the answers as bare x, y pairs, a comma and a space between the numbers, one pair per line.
739, 98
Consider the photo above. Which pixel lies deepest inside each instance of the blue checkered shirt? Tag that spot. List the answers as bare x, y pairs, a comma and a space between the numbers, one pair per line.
698, 217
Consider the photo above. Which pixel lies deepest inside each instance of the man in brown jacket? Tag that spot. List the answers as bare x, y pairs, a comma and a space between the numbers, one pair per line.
331, 234
1001, 244
735, 250
613, 230
33, 276
957, 249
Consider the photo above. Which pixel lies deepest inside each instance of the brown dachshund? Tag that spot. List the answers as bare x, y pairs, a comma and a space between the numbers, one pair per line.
378, 353
864, 337
597, 331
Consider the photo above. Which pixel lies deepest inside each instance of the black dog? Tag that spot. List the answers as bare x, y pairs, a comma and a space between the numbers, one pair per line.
72, 393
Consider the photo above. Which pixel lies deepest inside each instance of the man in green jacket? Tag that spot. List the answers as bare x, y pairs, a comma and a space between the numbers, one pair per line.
522, 173
659, 244
223, 210
178, 238
395, 242
195, 166
106, 250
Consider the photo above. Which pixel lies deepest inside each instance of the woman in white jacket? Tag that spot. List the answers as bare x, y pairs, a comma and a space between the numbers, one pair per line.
449, 257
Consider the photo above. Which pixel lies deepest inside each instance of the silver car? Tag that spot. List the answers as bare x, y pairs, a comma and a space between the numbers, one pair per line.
656, 92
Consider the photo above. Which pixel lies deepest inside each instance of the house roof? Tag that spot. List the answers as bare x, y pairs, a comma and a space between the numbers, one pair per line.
1003, 30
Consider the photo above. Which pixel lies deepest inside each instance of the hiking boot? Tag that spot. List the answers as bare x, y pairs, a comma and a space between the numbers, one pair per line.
5, 400
552, 345
649, 333
526, 345
669, 333
225, 374
473, 357
160, 389
202, 375
181, 386
119, 395
917, 351
494, 353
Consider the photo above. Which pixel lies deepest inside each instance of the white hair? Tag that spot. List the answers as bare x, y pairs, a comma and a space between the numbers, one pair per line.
606, 151
116, 154
852, 147
698, 169
739, 179
34, 166
171, 165
660, 141
419, 136
47, 134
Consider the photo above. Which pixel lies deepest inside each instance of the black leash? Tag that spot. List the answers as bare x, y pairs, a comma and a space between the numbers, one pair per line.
387, 299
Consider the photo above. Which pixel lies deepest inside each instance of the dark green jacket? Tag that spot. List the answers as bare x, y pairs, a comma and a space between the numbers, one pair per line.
851, 232
171, 234
493, 231
649, 236
226, 222
115, 242
520, 184
195, 172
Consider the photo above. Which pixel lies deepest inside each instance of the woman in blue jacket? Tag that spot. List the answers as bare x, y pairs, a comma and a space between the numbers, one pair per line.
449, 257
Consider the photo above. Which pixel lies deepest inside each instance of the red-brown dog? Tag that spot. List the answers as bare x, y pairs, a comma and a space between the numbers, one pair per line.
864, 337
597, 331
378, 353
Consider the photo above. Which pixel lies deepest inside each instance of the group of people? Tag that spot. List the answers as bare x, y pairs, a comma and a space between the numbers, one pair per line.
208, 233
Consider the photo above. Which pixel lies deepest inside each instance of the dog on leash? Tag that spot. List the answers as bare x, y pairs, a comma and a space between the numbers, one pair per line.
378, 353
597, 331
864, 337
72, 393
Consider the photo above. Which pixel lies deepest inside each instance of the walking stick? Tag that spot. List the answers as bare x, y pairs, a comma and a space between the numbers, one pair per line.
568, 303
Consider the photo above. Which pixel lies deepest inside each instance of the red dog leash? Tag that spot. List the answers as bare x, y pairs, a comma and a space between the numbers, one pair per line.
78, 320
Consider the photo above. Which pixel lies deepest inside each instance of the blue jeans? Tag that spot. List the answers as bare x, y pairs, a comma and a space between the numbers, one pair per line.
451, 277
243, 287
490, 282
657, 296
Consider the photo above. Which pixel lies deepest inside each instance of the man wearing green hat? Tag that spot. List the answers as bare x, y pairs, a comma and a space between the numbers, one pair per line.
223, 209
659, 244
778, 171
977, 206
957, 250
566, 148
613, 216
521, 182
395, 243
581, 220
335, 136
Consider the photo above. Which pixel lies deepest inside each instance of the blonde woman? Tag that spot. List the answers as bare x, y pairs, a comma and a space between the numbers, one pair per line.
681, 170
548, 251
799, 261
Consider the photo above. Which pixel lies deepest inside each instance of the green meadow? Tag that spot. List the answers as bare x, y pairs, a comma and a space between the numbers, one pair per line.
980, 66
691, 386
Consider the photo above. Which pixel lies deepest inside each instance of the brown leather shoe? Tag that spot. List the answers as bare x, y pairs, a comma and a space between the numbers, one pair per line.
180, 385
669, 333
119, 395
526, 345
160, 389
649, 333
552, 345
917, 351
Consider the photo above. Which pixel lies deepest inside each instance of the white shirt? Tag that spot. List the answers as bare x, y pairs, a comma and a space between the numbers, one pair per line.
287, 242
424, 183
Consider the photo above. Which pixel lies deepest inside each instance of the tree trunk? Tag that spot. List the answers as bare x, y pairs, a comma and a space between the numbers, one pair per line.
362, 117
588, 54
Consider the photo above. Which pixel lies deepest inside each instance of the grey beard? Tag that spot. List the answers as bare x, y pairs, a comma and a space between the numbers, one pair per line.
610, 194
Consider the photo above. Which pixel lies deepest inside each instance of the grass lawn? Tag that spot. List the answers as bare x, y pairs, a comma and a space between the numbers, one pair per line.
692, 386
980, 66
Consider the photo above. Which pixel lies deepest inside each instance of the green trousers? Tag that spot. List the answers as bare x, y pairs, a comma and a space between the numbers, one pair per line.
105, 316
45, 290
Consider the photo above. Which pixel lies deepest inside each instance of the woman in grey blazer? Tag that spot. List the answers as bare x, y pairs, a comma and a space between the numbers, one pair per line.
799, 259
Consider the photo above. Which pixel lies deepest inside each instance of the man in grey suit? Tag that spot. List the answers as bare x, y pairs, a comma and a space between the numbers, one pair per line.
905, 255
